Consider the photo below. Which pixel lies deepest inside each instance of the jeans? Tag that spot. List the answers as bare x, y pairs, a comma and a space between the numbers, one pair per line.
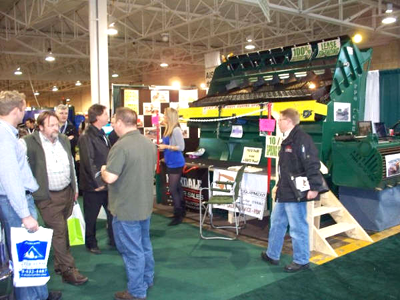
10, 219
132, 239
293, 214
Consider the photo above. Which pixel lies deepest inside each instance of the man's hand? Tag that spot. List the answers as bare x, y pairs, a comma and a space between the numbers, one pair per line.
30, 224
103, 167
312, 194
76, 196
162, 146
70, 137
100, 188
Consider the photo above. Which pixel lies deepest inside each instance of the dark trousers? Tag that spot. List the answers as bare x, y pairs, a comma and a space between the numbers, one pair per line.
92, 202
176, 190
55, 212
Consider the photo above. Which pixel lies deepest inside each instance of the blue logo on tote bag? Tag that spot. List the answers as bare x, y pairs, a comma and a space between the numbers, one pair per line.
31, 250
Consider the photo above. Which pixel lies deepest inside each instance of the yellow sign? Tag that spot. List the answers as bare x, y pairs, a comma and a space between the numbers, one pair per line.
131, 100
251, 155
272, 146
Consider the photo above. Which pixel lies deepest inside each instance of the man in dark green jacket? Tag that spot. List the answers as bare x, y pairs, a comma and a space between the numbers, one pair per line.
50, 159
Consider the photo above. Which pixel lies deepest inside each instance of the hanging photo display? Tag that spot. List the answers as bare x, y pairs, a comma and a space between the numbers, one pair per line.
341, 112
392, 164
237, 131
151, 108
186, 97
251, 155
159, 96
185, 130
131, 99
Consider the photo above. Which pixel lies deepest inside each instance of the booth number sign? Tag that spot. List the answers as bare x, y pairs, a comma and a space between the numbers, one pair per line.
272, 146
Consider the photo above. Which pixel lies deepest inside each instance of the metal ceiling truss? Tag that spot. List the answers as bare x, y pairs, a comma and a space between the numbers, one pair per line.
179, 32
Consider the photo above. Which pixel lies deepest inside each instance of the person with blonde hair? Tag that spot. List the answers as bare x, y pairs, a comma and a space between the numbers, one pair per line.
173, 145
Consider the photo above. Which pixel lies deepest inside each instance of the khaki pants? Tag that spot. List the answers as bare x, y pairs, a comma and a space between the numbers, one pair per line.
55, 213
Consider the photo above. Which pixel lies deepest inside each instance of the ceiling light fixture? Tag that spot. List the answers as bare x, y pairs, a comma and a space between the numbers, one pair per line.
357, 38
389, 8
18, 71
203, 86
176, 85
55, 89
68, 100
36, 93
389, 20
78, 83
115, 75
250, 47
165, 37
312, 85
111, 30
163, 65
50, 56
249, 38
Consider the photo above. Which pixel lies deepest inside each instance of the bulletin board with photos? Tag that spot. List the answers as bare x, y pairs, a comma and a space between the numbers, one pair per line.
147, 103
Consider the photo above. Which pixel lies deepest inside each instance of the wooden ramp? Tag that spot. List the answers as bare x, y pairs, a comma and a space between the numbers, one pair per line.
345, 223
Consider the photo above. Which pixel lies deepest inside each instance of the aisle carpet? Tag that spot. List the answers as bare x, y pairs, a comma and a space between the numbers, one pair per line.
372, 272
186, 267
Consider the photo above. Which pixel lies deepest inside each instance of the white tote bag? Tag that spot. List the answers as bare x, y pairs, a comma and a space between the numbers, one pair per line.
30, 252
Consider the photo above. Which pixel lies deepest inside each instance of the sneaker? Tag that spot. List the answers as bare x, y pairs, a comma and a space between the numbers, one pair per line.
94, 250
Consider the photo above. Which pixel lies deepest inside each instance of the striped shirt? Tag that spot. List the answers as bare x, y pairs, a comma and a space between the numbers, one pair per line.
15, 174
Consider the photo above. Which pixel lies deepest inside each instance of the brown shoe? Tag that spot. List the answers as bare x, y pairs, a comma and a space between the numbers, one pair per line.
72, 276
125, 295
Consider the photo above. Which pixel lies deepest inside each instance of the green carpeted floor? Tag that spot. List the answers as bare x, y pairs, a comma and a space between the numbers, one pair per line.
372, 272
186, 267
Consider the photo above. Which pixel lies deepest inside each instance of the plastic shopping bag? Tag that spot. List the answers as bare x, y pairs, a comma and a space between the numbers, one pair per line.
30, 252
76, 226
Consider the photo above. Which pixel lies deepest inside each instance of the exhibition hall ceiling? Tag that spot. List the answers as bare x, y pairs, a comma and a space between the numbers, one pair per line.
178, 32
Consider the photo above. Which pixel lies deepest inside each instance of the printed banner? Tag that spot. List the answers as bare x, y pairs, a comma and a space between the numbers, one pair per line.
272, 146
254, 192
328, 48
301, 53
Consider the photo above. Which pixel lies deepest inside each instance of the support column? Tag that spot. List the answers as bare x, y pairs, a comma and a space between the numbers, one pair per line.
100, 90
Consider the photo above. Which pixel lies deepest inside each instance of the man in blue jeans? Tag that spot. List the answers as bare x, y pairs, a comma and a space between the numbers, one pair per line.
17, 184
298, 162
130, 175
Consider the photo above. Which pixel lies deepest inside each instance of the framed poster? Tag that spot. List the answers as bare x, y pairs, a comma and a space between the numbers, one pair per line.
341, 112
186, 97
151, 108
131, 99
159, 96
392, 165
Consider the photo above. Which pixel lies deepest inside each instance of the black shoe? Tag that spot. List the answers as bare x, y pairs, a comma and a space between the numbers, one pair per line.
175, 221
54, 295
94, 250
293, 267
268, 259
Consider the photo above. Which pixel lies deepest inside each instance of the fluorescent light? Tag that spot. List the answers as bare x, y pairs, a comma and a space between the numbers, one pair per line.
163, 65
36, 93
300, 74
389, 20
18, 71
50, 57
78, 83
268, 77
284, 76
115, 75
250, 47
55, 89
111, 30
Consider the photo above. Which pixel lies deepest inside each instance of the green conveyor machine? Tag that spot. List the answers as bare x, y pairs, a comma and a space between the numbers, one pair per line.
324, 80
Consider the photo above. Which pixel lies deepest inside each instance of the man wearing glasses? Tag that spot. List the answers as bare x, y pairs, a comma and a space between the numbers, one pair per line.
299, 182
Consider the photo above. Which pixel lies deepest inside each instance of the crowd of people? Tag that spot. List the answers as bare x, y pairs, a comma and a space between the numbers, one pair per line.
39, 170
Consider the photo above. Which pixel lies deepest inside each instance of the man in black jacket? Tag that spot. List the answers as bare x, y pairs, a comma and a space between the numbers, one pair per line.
299, 181
93, 150
66, 127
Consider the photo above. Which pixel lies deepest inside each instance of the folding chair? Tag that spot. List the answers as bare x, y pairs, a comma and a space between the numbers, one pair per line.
233, 196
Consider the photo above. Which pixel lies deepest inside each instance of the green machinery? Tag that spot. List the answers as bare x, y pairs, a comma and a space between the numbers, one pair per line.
324, 80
